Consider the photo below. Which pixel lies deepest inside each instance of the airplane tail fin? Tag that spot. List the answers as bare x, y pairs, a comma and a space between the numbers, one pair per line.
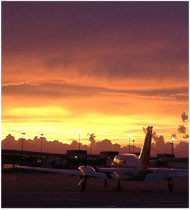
145, 152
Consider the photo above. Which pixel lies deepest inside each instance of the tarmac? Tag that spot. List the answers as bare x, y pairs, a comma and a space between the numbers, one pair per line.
37, 190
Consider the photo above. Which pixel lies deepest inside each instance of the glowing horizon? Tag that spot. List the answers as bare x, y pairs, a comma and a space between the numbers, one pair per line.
79, 70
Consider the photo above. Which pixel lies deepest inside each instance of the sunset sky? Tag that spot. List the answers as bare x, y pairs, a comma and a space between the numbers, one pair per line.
108, 68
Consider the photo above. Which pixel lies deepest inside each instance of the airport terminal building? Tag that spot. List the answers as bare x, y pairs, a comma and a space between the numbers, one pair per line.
74, 158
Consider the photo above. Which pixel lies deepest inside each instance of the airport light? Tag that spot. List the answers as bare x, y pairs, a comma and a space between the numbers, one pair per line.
129, 142
79, 132
22, 140
133, 145
41, 142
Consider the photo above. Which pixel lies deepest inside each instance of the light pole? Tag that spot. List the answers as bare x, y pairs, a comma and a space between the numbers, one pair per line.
133, 145
41, 142
92, 140
89, 140
23, 140
173, 139
79, 132
129, 142
172, 150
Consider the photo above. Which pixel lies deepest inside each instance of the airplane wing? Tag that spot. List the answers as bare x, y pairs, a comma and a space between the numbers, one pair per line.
117, 170
164, 173
53, 170
86, 171
149, 174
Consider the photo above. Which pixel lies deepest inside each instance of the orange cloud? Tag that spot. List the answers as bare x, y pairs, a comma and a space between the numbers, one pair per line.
90, 68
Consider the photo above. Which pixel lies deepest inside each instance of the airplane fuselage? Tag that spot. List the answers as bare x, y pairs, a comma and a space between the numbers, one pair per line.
126, 161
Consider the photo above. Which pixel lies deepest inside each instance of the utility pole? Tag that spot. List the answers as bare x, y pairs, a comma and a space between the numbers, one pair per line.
129, 142
79, 132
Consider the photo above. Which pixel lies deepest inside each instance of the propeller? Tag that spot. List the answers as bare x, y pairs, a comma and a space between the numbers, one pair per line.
80, 182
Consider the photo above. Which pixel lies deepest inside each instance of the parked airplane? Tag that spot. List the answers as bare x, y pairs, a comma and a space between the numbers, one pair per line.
126, 167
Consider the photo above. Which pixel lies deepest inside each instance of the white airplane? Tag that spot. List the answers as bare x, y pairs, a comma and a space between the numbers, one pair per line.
126, 167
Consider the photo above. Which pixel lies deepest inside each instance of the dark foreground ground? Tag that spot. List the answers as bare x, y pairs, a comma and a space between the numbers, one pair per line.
56, 190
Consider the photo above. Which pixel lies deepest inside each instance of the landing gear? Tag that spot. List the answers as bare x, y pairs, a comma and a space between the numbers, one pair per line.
82, 184
171, 184
105, 183
118, 186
